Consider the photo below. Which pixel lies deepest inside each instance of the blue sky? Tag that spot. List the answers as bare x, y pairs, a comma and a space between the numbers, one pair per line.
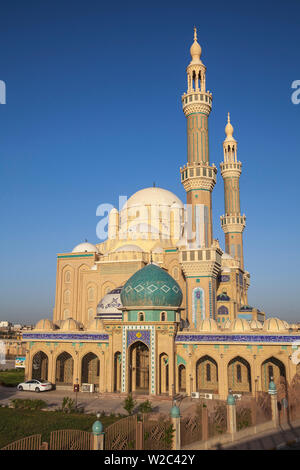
93, 111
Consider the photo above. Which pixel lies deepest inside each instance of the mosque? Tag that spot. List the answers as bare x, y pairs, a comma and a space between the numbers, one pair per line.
159, 308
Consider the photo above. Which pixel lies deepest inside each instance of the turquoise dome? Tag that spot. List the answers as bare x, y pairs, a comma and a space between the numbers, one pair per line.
175, 412
151, 286
97, 428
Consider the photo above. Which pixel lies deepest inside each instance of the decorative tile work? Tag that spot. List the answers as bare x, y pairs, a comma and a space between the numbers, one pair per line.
65, 337
129, 336
198, 305
184, 338
137, 335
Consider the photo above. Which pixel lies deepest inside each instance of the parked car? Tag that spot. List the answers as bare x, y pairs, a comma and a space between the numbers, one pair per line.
35, 385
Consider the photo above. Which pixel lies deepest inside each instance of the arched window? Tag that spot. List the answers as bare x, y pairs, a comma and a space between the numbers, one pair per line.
238, 373
141, 316
270, 372
67, 296
66, 313
163, 316
175, 273
91, 294
223, 310
68, 276
208, 373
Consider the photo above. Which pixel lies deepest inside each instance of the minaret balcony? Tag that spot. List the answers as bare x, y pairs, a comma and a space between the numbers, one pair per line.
233, 223
229, 169
204, 261
198, 176
196, 102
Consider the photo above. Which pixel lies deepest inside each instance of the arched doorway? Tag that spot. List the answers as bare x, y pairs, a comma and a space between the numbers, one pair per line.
117, 371
163, 373
239, 375
64, 369
272, 367
139, 368
90, 369
207, 375
40, 366
181, 378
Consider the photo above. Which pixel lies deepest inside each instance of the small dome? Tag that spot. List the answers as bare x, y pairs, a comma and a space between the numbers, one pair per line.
44, 324
70, 325
227, 325
128, 248
96, 325
208, 324
229, 131
195, 49
256, 325
246, 308
240, 325
85, 248
109, 308
151, 286
274, 324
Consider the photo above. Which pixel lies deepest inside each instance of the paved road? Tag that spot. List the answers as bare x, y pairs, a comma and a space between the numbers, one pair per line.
92, 402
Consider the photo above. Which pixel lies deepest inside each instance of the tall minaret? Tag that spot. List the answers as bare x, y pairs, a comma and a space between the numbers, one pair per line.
198, 177
233, 223
199, 254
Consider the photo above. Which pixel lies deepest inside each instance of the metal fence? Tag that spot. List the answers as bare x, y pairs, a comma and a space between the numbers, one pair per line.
71, 439
27, 443
122, 434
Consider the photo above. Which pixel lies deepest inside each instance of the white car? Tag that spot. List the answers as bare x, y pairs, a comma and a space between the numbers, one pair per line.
35, 385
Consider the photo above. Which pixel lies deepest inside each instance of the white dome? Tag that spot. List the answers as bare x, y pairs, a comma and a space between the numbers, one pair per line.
85, 248
153, 196
275, 324
109, 307
70, 325
240, 325
129, 248
208, 324
44, 324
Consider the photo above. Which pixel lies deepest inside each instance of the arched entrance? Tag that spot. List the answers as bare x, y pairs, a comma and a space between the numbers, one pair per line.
181, 378
272, 367
239, 375
90, 369
64, 369
163, 373
207, 375
117, 371
40, 366
139, 368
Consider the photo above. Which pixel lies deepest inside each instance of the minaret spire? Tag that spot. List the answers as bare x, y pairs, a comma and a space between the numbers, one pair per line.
233, 223
200, 255
198, 177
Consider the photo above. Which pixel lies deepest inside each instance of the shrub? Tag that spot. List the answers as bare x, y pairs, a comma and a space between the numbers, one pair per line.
129, 404
69, 406
145, 407
27, 404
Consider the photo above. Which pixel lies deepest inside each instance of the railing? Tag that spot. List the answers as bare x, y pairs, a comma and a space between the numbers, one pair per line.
157, 435
27, 443
122, 434
71, 439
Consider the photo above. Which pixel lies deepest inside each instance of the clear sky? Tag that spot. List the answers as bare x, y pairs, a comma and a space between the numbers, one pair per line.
93, 111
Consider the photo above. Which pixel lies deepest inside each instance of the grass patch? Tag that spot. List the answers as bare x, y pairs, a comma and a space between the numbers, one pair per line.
11, 377
16, 423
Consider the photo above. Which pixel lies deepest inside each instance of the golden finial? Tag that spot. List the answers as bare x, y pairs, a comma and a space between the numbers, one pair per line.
228, 118
195, 33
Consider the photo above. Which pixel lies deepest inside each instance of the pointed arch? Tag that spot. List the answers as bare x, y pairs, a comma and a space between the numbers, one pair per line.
239, 375
207, 375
